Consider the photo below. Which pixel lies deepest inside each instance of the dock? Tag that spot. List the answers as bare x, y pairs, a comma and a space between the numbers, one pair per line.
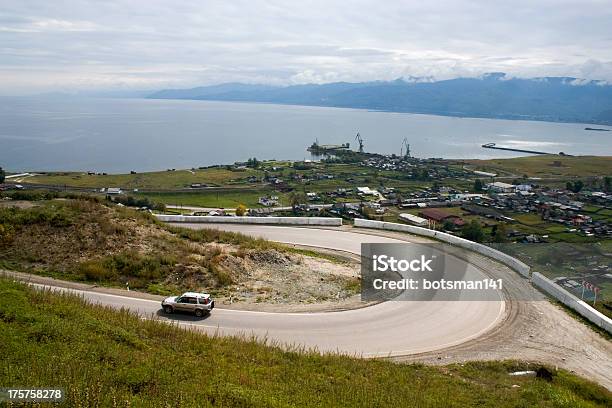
493, 146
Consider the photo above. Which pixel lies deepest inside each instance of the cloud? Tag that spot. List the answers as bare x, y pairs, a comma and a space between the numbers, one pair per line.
134, 44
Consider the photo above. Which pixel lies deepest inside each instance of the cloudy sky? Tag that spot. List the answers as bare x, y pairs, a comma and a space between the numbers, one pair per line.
128, 44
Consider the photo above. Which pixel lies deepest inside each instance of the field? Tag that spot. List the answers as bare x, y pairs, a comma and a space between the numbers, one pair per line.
221, 199
161, 180
547, 166
103, 357
344, 176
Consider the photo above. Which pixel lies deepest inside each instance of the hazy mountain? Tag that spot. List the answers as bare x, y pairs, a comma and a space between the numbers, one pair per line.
493, 95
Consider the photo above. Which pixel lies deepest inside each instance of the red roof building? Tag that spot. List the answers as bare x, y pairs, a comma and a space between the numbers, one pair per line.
438, 215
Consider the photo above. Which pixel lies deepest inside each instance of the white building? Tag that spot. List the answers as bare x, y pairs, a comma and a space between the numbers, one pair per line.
413, 219
367, 191
485, 173
500, 187
523, 187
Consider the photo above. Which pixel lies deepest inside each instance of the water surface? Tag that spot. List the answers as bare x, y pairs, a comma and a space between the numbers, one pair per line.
119, 135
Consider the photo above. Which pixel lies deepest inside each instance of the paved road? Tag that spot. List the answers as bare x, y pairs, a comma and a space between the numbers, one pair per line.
387, 329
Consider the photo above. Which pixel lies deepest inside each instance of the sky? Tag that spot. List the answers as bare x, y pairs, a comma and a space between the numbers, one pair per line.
66, 46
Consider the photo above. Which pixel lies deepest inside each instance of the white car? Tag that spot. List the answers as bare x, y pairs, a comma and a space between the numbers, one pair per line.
198, 303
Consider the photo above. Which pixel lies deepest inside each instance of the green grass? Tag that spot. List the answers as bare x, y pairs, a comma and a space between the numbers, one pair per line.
528, 219
105, 357
223, 199
544, 166
151, 180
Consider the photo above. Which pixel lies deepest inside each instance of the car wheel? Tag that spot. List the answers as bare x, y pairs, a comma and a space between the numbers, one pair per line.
168, 309
199, 313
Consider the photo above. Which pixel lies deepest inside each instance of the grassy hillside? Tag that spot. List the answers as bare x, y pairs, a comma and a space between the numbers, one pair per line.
103, 357
91, 241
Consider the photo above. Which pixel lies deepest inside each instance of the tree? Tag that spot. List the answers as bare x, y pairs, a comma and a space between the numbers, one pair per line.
575, 186
253, 162
448, 225
241, 210
607, 185
422, 174
2, 175
295, 199
500, 234
477, 185
472, 231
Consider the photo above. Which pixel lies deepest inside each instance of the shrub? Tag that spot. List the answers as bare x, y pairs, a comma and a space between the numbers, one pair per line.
95, 271
241, 210
473, 231
6, 234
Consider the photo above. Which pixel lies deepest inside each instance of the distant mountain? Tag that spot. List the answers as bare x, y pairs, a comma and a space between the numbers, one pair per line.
493, 95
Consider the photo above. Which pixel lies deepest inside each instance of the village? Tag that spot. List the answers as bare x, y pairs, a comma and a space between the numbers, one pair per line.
431, 193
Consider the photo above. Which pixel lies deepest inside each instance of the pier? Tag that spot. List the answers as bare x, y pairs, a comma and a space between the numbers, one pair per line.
493, 146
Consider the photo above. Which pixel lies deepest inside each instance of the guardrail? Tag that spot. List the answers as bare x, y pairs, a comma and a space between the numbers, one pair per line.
504, 258
324, 221
571, 301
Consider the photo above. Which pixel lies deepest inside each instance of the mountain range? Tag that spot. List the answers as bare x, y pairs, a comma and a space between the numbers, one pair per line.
493, 95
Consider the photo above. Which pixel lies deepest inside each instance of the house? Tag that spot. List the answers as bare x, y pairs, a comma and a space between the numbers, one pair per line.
581, 219
522, 187
387, 202
367, 191
440, 216
268, 201
113, 190
499, 187
414, 220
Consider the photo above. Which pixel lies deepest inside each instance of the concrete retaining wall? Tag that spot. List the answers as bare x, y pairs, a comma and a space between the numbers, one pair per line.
571, 301
506, 259
332, 222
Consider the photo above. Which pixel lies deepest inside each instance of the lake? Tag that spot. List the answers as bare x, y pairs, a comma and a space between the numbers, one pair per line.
119, 135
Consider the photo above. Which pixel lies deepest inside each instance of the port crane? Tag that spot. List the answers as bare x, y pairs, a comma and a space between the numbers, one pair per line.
359, 140
405, 145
